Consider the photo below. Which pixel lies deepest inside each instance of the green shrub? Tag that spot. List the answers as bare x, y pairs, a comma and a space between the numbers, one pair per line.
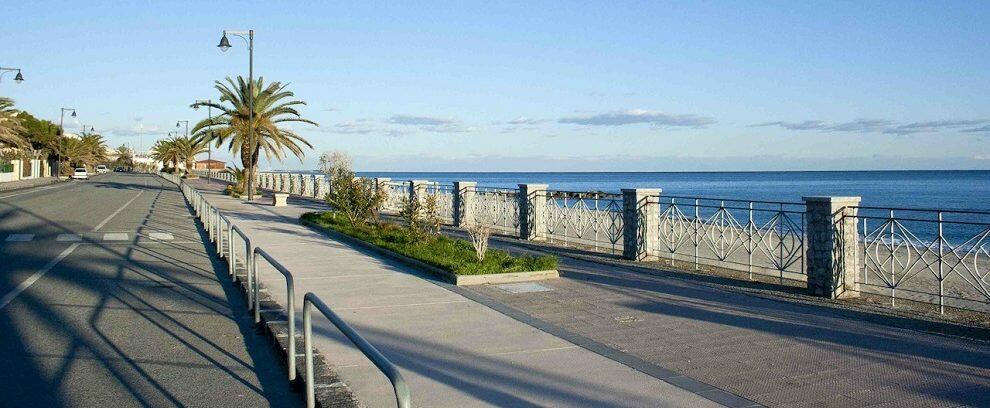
452, 255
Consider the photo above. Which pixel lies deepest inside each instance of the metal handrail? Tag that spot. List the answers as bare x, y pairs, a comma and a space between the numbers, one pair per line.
402, 398
212, 219
291, 309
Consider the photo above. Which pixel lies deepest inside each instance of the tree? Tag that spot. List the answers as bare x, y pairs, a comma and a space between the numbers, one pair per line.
125, 158
186, 148
11, 131
357, 199
271, 111
164, 151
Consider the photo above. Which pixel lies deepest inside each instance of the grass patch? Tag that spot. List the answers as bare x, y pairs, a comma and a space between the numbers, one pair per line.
450, 254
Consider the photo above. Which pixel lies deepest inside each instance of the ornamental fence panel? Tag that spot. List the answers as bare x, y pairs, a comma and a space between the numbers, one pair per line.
941, 257
755, 237
497, 208
591, 220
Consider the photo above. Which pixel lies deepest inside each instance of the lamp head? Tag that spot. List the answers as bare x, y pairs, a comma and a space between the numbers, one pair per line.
176, 124
196, 106
73, 113
224, 43
18, 78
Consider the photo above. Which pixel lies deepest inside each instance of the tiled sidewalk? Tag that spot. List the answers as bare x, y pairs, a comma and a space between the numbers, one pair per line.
770, 350
454, 352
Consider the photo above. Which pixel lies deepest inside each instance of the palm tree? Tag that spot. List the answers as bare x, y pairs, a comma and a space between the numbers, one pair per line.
11, 131
270, 111
186, 148
164, 151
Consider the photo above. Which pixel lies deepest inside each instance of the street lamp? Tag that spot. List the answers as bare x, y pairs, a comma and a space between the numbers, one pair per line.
91, 129
247, 36
209, 144
61, 130
17, 78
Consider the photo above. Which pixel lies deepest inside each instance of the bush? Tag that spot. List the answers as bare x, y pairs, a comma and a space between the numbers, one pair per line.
233, 191
357, 199
452, 255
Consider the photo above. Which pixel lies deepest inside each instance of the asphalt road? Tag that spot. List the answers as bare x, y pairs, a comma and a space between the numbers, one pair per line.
110, 297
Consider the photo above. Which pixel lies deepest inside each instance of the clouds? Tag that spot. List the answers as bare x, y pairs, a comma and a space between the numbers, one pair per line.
636, 116
883, 126
429, 123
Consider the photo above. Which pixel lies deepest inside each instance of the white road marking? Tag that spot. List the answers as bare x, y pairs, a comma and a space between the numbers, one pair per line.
100, 225
68, 238
20, 237
34, 190
115, 236
163, 236
37, 275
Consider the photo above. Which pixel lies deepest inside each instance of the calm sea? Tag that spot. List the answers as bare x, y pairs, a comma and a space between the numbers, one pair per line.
915, 189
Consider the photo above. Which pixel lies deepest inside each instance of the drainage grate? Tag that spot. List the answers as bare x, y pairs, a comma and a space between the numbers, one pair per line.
524, 287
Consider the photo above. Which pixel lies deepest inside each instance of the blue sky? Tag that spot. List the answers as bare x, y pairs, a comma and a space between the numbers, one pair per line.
539, 86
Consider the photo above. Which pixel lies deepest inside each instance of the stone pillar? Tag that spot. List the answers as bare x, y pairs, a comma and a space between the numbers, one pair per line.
532, 211
832, 253
305, 188
464, 203
381, 184
417, 190
640, 223
285, 183
318, 188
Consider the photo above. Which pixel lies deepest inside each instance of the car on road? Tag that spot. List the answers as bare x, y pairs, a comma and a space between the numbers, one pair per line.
101, 169
80, 174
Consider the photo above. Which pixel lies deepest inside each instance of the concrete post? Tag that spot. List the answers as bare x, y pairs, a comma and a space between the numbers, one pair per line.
640, 223
532, 211
417, 190
381, 184
305, 185
17, 169
464, 203
833, 247
285, 183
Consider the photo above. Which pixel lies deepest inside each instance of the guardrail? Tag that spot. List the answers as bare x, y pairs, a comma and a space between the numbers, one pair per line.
384, 365
291, 309
221, 231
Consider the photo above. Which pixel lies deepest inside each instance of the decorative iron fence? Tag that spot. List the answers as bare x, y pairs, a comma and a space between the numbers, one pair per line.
397, 193
587, 219
756, 237
497, 208
444, 196
933, 256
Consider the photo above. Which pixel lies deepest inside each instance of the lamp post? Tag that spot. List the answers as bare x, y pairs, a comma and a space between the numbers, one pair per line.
247, 36
91, 129
209, 144
61, 131
17, 78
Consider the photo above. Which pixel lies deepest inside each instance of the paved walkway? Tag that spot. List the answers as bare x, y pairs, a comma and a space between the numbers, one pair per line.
774, 351
453, 351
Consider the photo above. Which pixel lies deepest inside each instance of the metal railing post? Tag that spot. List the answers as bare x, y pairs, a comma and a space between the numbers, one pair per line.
399, 386
290, 309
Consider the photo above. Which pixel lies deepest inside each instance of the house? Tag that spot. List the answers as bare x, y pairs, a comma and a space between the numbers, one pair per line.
210, 165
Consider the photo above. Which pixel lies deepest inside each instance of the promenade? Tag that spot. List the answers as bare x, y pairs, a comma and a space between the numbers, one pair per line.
775, 350
452, 350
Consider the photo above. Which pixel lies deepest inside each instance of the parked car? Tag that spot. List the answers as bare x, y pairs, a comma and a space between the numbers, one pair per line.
80, 174
101, 169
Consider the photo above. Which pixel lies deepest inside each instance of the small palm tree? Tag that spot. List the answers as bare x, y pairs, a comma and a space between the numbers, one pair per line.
271, 110
187, 148
164, 151
11, 131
